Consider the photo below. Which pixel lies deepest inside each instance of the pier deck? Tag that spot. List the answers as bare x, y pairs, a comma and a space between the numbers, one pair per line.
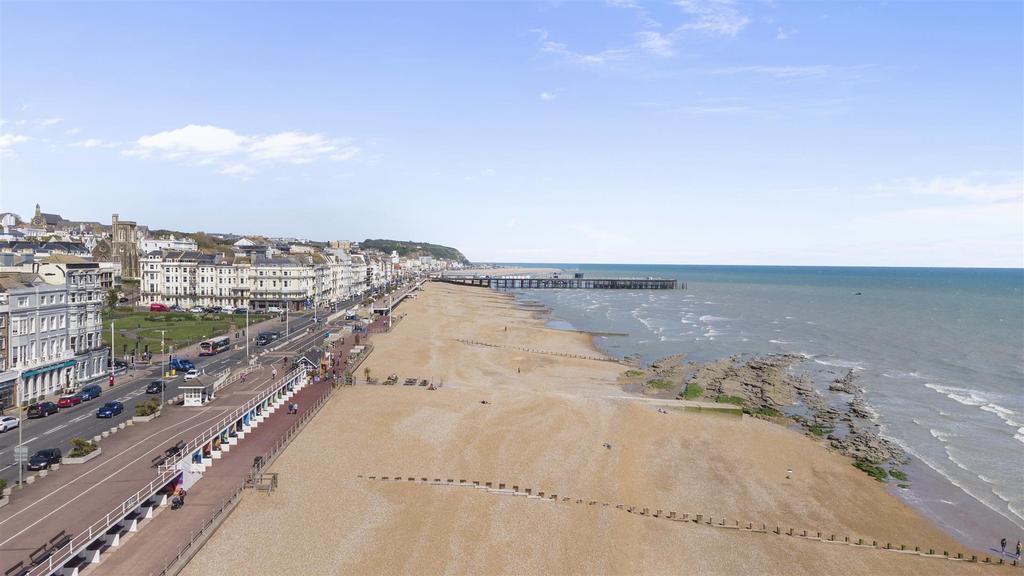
576, 282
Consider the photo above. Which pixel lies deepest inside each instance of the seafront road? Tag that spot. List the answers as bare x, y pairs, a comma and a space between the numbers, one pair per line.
75, 496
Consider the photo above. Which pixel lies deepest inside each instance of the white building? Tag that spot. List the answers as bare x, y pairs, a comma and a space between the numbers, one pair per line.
157, 244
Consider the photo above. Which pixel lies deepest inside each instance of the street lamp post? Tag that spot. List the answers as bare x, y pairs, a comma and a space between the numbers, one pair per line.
247, 334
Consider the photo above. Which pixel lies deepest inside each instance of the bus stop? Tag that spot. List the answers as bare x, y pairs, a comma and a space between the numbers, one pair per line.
198, 392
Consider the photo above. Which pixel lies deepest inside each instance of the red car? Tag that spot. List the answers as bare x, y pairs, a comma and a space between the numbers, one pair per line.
69, 401
157, 307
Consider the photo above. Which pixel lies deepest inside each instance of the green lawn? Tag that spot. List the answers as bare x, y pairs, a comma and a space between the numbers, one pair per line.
134, 328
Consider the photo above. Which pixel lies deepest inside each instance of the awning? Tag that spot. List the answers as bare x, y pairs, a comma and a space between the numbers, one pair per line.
50, 368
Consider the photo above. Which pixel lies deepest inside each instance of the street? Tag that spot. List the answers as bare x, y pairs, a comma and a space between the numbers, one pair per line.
57, 430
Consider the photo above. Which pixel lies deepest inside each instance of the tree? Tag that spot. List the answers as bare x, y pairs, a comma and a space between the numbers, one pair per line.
110, 300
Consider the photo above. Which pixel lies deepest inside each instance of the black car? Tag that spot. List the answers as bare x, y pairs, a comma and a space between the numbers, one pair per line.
155, 387
43, 459
241, 311
110, 409
91, 391
42, 410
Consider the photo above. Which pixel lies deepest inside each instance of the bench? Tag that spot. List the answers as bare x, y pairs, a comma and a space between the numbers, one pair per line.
176, 449
76, 562
157, 461
100, 546
134, 515
40, 555
118, 529
18, 569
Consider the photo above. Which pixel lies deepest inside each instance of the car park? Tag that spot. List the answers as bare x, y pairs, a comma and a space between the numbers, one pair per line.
155, 387
9, 423
191, 374
42, 409
110, 409
43, 459
91, 391
69, 401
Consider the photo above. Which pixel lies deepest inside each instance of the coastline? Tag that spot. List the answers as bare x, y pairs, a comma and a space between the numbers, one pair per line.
544, 424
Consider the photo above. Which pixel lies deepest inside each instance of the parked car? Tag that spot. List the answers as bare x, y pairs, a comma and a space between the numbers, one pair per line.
69, 401
110, 409
227, 310
274, 310
43, 459
174, 308
91, 391
9, 423
155, 387
191, 374
157, 307
196, 310
241, 310
42, 410
118, 363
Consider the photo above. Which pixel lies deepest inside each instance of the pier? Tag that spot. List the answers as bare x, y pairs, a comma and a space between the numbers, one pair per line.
574, 282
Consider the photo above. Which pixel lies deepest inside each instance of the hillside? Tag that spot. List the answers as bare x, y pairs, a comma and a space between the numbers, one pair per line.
410, 248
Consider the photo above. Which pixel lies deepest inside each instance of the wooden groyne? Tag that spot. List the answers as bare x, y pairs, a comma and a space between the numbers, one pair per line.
577, 282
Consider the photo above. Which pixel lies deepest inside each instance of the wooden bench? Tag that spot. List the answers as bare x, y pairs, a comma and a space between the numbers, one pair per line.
18, 569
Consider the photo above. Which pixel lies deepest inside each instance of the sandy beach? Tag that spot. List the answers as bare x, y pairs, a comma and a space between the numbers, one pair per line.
544, 426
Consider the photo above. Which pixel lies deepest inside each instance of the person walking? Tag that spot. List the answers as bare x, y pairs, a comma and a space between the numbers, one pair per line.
1018, 549
273, 373
1002, 545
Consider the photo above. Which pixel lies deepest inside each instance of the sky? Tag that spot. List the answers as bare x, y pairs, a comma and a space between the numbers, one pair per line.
689, 132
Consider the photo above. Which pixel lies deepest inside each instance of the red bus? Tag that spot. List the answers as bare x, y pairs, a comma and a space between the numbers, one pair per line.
215, 346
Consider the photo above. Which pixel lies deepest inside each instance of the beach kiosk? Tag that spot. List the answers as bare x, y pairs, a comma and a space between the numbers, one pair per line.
198, 392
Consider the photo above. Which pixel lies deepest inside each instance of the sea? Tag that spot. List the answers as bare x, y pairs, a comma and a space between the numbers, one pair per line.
939, 352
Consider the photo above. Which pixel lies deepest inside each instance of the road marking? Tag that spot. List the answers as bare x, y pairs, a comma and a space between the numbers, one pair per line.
96, 484
52, 430
82, 417
30, 439
219, 412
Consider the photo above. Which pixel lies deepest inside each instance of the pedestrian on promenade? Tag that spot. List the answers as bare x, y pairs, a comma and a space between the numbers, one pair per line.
789, 473
1002, 544
274, 373
1018, 549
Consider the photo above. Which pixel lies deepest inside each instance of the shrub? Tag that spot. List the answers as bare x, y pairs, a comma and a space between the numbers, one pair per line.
873, 470
692, 391
727, 399
147, 408
898, 474
766, 411
81, 447
818, 430
3, 483
659, 384
634, 373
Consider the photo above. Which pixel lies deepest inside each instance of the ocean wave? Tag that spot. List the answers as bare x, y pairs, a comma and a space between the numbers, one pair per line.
977, 399
709, 318
780, 341
840, 363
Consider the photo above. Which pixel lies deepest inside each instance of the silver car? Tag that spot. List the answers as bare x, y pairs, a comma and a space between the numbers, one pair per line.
9, 423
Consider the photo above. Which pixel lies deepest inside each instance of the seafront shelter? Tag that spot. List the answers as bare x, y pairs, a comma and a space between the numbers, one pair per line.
197, 392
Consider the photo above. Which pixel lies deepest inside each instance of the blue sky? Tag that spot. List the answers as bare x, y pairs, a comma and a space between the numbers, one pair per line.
691, 132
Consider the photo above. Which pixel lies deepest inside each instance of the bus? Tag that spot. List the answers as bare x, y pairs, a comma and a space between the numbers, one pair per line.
214, 346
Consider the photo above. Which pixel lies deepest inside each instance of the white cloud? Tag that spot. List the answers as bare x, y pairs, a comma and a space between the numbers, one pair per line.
655, 43
592, 59
234, 153
50, 121
713, 16
7, 141
292, 147
975, 189
193, 139
784, 34
782, 72
88, 143
238, 170
548, 96
72, 131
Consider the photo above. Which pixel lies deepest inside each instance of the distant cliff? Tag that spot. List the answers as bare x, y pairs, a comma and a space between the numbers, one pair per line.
409, 248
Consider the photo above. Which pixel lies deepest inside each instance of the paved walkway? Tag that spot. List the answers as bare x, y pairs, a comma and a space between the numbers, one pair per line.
74, 497
158, 543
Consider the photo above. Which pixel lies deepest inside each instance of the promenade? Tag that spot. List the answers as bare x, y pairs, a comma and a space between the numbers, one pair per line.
75, 496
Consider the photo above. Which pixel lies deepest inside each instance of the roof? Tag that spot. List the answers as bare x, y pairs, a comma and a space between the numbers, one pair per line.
51, 218
66, 259
16, 280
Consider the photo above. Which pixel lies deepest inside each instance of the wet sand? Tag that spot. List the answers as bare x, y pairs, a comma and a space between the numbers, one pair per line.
546, 420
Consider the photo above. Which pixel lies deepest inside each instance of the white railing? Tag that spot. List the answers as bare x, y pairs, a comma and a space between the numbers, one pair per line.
84, 538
